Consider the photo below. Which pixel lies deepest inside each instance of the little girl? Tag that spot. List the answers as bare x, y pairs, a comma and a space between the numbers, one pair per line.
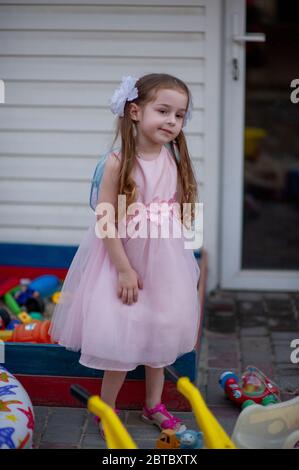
132, 300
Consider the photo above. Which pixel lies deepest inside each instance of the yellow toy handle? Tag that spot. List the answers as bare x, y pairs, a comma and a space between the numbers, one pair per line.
117, 437
214, 435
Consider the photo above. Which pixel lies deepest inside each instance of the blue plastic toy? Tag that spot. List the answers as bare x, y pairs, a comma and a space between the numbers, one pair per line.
190, 439
12, 324
23, 295
45, 285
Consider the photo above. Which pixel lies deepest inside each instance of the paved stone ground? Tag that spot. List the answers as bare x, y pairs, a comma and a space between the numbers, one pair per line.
240, 329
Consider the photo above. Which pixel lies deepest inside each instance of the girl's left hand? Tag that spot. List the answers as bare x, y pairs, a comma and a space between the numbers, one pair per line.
128, 284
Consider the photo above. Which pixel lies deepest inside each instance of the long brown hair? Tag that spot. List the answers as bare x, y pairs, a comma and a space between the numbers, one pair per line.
147, 87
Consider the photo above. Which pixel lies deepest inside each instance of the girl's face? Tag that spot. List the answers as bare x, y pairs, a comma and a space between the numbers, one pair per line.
161, 120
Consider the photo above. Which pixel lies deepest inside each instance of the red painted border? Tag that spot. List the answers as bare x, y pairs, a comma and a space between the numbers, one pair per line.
55, 391
30, 272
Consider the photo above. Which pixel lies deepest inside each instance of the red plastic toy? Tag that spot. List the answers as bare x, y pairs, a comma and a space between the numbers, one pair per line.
34, 332
254, 387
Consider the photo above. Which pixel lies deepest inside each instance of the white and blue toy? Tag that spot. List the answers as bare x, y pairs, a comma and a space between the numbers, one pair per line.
16, 413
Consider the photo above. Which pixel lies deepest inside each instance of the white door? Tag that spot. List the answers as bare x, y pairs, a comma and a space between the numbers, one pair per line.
260, 172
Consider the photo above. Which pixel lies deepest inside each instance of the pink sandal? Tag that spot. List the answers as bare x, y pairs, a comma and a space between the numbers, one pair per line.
170, 422
98, 422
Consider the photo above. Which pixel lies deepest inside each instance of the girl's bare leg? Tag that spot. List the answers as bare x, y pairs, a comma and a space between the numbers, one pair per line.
111, 385
154, 388
154, 380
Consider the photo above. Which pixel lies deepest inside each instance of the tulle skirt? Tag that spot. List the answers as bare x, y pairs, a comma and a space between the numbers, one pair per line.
157, 329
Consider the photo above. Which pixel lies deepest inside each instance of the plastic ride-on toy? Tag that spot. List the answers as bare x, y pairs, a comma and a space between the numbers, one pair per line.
268, 427
117, 437
254, 387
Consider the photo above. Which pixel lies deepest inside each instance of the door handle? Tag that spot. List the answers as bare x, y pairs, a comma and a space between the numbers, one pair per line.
250, 37
239, 39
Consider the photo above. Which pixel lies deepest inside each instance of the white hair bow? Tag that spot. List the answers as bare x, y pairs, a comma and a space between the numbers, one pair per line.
126, 91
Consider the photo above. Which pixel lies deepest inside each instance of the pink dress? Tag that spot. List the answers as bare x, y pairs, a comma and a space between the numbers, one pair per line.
163, 324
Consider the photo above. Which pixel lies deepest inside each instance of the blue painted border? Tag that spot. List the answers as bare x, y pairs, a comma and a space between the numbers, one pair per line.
55, 360
48, 256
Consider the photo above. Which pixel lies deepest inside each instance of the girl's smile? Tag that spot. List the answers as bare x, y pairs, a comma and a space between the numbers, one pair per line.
167, 131
159, 121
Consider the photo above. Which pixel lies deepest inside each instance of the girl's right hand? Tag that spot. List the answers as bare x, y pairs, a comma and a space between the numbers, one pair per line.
128, 284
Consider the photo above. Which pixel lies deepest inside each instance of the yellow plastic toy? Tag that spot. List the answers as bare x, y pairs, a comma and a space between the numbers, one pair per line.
253, 137
55, 297
214, 435
117, 437
25, 318
5, 335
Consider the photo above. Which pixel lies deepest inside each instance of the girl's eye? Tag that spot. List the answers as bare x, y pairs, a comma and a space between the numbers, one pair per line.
163, 111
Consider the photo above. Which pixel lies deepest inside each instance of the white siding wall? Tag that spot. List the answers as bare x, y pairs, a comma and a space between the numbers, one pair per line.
60, 62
